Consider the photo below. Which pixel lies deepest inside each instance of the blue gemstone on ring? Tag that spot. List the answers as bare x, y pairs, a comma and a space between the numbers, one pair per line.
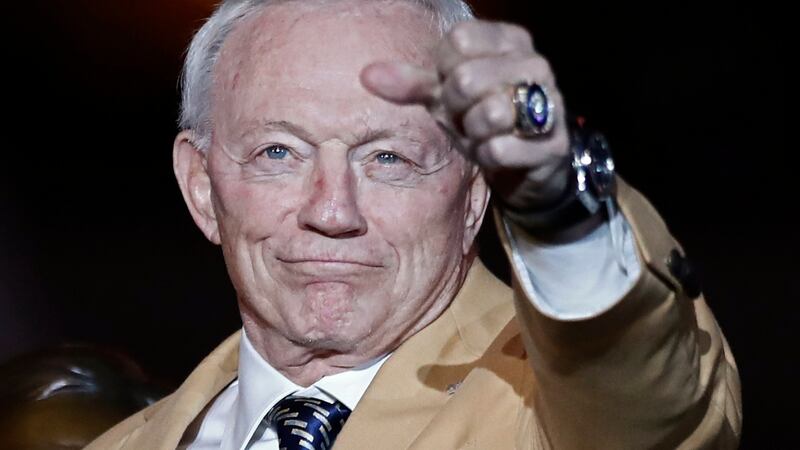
537, 106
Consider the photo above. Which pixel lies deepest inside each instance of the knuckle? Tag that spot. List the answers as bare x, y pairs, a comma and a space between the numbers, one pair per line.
463, 80
494, 152
540, 69
496, 113
518, 35
545, 67
461, 37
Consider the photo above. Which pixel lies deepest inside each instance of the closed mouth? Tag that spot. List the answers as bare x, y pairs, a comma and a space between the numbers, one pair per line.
332, 262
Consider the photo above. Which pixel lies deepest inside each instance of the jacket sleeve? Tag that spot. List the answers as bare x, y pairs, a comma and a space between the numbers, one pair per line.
653, 370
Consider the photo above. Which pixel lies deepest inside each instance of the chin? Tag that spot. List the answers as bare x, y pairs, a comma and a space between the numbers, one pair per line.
345, 335
330, 345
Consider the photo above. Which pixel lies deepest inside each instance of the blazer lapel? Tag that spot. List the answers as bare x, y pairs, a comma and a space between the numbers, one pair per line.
165, 426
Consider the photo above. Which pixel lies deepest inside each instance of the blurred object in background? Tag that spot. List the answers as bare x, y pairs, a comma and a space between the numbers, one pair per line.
64, 397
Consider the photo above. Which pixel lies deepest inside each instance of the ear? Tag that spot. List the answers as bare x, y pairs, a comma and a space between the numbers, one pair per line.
478, 194
191, 171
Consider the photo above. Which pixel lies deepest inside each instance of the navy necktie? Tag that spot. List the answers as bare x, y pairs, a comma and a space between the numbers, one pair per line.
307, 423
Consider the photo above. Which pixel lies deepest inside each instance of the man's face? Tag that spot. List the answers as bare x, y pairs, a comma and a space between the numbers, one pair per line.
344, 219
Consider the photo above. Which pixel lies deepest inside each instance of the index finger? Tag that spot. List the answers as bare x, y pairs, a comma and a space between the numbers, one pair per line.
402, 83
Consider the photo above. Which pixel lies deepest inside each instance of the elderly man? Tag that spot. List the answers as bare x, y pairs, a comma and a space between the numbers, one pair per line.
341, 152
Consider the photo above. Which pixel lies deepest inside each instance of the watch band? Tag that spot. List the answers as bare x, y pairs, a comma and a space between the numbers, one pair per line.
580, 201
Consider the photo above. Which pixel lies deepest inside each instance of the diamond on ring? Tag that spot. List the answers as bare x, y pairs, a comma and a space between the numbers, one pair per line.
535, 110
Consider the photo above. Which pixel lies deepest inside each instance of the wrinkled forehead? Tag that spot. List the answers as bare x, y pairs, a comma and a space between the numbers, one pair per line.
300, 51
400, 27
299, 42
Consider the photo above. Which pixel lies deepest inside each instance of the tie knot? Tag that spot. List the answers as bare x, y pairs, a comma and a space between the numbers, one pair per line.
307, 423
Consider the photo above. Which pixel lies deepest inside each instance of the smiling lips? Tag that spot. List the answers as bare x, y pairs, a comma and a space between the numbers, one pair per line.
325, 268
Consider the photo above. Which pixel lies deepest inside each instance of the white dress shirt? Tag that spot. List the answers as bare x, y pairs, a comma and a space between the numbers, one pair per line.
234, 420
569, 281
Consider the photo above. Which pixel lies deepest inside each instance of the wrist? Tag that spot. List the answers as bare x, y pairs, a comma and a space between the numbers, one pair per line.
578, 210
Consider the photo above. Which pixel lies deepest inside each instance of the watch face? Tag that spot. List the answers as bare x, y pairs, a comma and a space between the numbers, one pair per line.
601, 169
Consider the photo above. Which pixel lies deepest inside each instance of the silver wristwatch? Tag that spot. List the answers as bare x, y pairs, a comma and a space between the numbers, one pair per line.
592, 186
595, 175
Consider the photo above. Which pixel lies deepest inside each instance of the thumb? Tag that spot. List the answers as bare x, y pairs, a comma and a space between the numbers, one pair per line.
402, 83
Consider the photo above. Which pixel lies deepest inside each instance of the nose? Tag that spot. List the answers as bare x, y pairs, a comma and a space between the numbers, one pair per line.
331, 207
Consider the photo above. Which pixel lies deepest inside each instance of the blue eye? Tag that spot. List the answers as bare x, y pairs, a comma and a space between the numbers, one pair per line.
276, 152
387, 158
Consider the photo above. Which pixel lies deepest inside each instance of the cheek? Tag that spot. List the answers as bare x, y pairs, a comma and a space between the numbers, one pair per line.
253, 211
409, 217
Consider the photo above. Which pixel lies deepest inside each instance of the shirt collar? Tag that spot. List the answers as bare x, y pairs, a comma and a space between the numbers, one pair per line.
261, 386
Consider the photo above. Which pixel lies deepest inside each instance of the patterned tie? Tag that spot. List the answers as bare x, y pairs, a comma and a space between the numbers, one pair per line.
307, 423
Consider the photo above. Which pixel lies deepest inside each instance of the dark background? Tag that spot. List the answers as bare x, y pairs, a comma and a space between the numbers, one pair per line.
96, 245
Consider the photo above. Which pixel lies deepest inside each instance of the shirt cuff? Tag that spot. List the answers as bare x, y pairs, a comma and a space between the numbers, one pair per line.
576, 280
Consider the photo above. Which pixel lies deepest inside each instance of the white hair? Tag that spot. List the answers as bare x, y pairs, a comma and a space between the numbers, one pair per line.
198, 70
